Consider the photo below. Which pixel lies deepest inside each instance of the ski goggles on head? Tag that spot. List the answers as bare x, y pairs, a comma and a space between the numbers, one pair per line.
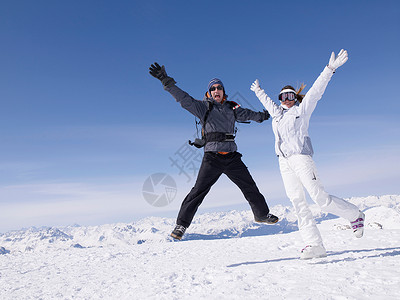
218, 87
287, 94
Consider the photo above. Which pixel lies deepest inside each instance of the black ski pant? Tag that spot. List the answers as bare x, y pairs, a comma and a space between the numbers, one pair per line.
212, 166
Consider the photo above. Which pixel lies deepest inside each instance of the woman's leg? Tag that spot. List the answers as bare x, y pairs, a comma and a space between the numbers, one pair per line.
295, 191
304, 167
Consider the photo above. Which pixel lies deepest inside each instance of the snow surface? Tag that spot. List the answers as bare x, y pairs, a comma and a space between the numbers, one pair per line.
223, 255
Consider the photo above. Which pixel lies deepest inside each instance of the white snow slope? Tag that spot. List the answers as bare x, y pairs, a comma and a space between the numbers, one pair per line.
223, 256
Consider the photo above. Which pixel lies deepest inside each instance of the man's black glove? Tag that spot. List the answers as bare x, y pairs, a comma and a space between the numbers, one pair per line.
266, 115
159, 72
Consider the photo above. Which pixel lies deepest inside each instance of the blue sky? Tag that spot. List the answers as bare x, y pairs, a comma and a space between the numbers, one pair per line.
83, 124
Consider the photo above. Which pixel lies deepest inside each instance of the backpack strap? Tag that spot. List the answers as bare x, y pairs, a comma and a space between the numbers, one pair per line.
210, 107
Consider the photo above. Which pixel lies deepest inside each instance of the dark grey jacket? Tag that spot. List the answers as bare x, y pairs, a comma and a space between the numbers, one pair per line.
221, 118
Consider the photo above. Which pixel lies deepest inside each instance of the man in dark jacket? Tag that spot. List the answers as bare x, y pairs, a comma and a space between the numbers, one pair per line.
217, 116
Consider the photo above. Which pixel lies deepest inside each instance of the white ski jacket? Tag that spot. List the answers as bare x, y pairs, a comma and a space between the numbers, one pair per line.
290, 126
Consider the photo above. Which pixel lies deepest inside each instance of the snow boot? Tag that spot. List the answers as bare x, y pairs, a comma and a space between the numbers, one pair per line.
358, 225
310, 252
178, 232
269, 219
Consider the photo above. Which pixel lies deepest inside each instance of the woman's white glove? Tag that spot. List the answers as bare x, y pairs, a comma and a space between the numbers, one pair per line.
255, 86
339, 60
263, 97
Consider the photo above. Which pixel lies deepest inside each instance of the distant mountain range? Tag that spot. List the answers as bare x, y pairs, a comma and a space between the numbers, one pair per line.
381, 211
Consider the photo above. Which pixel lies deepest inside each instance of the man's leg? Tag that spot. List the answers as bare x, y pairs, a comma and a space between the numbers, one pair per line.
210, 171
237, 171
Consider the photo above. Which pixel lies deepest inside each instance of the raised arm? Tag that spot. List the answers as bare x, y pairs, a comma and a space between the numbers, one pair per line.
318, 88
269, 105
195, 107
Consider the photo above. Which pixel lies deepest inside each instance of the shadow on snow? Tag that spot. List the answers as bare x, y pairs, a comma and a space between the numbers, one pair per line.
283, 226
257, 230
369, 253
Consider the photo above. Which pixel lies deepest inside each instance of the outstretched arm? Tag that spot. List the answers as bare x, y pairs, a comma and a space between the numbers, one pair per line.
245, 114
318, 88
269, 105
195, 107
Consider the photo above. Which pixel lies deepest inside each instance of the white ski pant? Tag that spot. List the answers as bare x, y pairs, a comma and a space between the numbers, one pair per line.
299, 171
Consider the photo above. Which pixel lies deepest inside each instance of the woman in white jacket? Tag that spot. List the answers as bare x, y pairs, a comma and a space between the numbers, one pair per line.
290, 122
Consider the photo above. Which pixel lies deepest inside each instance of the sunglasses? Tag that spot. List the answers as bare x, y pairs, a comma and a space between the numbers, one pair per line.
287, 96
218, 87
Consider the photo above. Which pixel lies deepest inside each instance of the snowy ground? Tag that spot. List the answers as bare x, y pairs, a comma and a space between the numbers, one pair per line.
223, 256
